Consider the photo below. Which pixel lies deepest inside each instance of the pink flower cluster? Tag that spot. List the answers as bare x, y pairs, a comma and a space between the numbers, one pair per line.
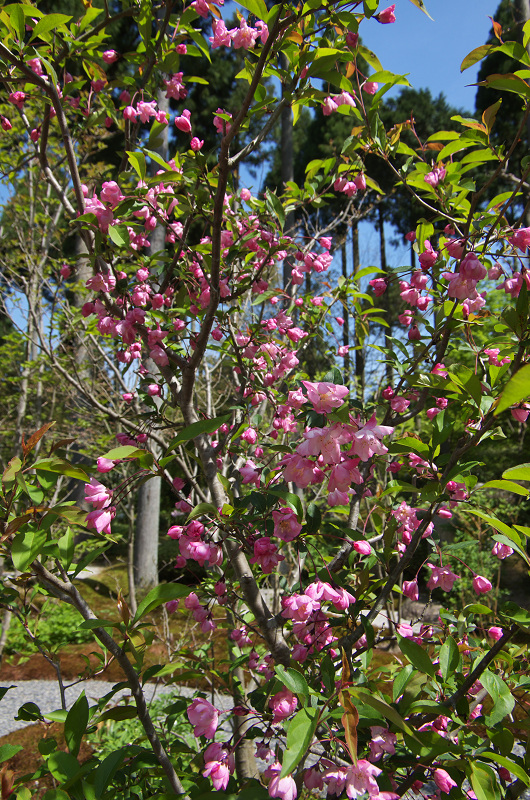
195, 544
244, 36
100, 497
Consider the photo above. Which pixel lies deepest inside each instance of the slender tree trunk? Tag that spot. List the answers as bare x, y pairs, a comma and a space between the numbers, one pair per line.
287, 168
522, 15
346, 316
359, 348
385, 298
145, 550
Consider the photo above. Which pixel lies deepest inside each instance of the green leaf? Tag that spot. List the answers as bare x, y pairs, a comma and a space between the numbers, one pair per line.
63, 766
256, 7
127, 451
507, 486
516, 614
75, 724
120, 712
512, 766
384, 708
508, 82
106, 770
421, 5
493, 521
7, 751
290, 499
476, 55
159, 595
519, 473
293, 680
66, 548
449, 657
400, 681
61, 467
484, 781
14, 466
417, 656
196, 428
137, 161
516, 390
119, 235
299, 736
48, 23
26, 547
503, 702
200, 509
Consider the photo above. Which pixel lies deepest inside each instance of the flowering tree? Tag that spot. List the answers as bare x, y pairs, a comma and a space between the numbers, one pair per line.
285, 472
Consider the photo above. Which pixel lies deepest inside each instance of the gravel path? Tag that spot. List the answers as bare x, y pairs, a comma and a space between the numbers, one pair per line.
46, 695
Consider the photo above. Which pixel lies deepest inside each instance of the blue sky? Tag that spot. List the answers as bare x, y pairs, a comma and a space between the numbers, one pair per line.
432, 50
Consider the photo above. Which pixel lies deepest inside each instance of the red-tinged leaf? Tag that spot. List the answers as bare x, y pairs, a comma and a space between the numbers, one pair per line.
59, 444
489, 115
350, 720
497, 29
476, 55
509, 82
36, 437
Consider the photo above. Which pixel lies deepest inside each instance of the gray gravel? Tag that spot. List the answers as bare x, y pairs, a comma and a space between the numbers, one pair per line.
47, 696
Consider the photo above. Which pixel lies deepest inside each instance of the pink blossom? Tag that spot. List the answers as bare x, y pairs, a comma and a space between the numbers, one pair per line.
521, 239
370, 87
283, 704
196, 144
481, 585
410, 589
6, 125
218, 764
266, 555
495, 633
286, 525
387, 16
105, 464
284, 788
325, 396
443, 780
110, 56
204, 717
220, 124
97, 494
429, 255
146, 110
100, 519
399, 404
502, 551
367, 440
250, 474
361, 779
379, 285
364, 548
18, 99
183, 122
435, 177
245, 36
250, 435
441, 578
329, 106
383, 741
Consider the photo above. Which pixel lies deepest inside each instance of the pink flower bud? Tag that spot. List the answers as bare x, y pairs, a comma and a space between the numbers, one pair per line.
481, 585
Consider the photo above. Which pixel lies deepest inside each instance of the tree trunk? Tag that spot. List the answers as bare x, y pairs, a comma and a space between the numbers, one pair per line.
346, 316
145, 550
359, 348
385, 298
287, 169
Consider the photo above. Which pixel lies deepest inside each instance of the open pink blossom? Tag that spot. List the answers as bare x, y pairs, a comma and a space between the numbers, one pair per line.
286, 525
219, 763
204, 717
441, 578
325, 396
